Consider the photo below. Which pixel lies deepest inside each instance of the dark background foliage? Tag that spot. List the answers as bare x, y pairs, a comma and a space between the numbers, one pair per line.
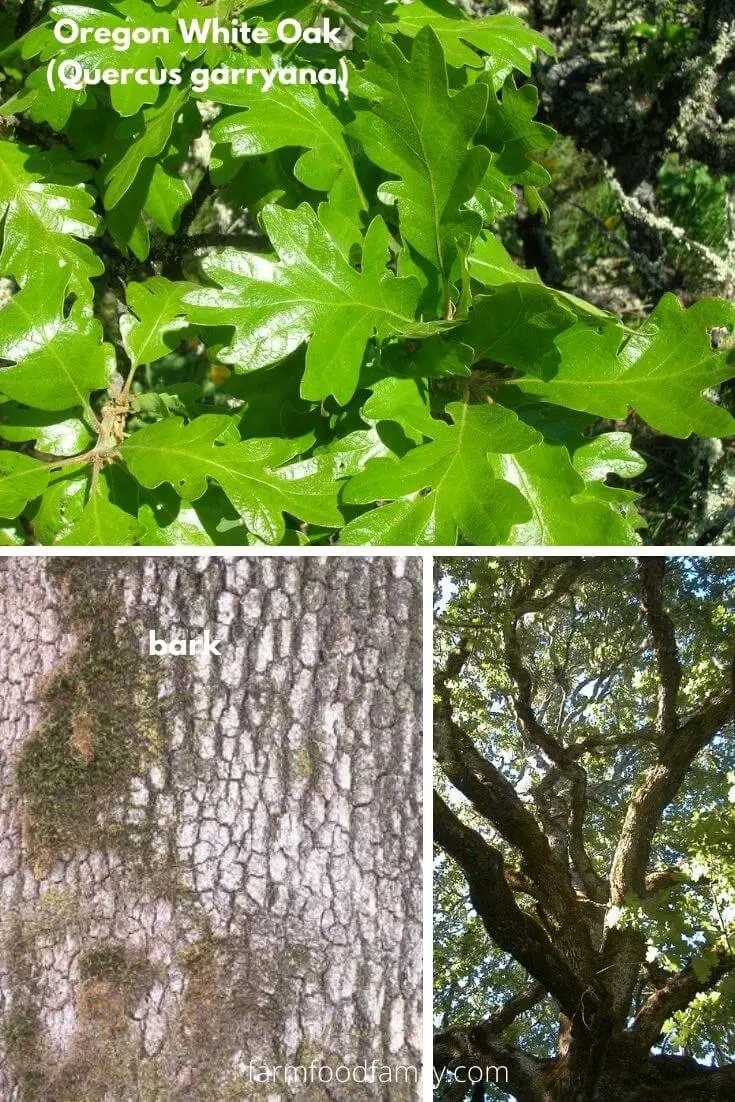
642, 199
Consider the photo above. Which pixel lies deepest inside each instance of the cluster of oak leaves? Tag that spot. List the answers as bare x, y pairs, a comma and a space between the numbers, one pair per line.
396, 377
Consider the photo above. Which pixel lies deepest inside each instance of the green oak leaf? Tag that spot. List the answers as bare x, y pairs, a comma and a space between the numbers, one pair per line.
156, 323
512, 136
464, 496
660, 371
101, 523
293, 116
47, 212
141, 139
593, 458
21, 479
506, 40
438, 170
56, 359
312, 293
56, 432
492, 479
252, 473
563, 511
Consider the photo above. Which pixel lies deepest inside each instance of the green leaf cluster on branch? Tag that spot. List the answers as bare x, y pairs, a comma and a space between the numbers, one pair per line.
584, 821
313, 334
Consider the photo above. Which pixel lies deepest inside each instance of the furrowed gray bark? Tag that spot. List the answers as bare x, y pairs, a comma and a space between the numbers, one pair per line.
208, 860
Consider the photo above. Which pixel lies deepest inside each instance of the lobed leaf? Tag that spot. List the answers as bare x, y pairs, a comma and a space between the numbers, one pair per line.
438, 171
157, 320
47, 213
312, 294
506, 42
660, 371
55, 359
253, 473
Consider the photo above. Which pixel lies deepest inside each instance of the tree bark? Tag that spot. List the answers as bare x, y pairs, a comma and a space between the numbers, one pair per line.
208, 860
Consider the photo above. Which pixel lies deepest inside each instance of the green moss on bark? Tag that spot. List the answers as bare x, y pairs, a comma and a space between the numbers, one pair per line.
23, 1042
98, 710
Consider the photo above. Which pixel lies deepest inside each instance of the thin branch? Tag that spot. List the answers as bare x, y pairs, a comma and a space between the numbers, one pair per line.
501, 1019
652, 572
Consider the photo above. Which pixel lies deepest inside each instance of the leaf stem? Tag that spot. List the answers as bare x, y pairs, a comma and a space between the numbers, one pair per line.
96, 468
92, 417
73, 460
129, 380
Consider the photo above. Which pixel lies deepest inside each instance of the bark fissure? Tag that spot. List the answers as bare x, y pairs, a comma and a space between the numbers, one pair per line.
250, 886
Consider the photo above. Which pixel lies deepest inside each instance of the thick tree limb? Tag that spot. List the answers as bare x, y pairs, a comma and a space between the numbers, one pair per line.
656, 791
652, 573
509, 927
496, 799
507, 1014
675, 995
456, 1050
595, 885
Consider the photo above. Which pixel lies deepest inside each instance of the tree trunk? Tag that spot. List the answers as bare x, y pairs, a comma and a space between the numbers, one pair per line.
209, 860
